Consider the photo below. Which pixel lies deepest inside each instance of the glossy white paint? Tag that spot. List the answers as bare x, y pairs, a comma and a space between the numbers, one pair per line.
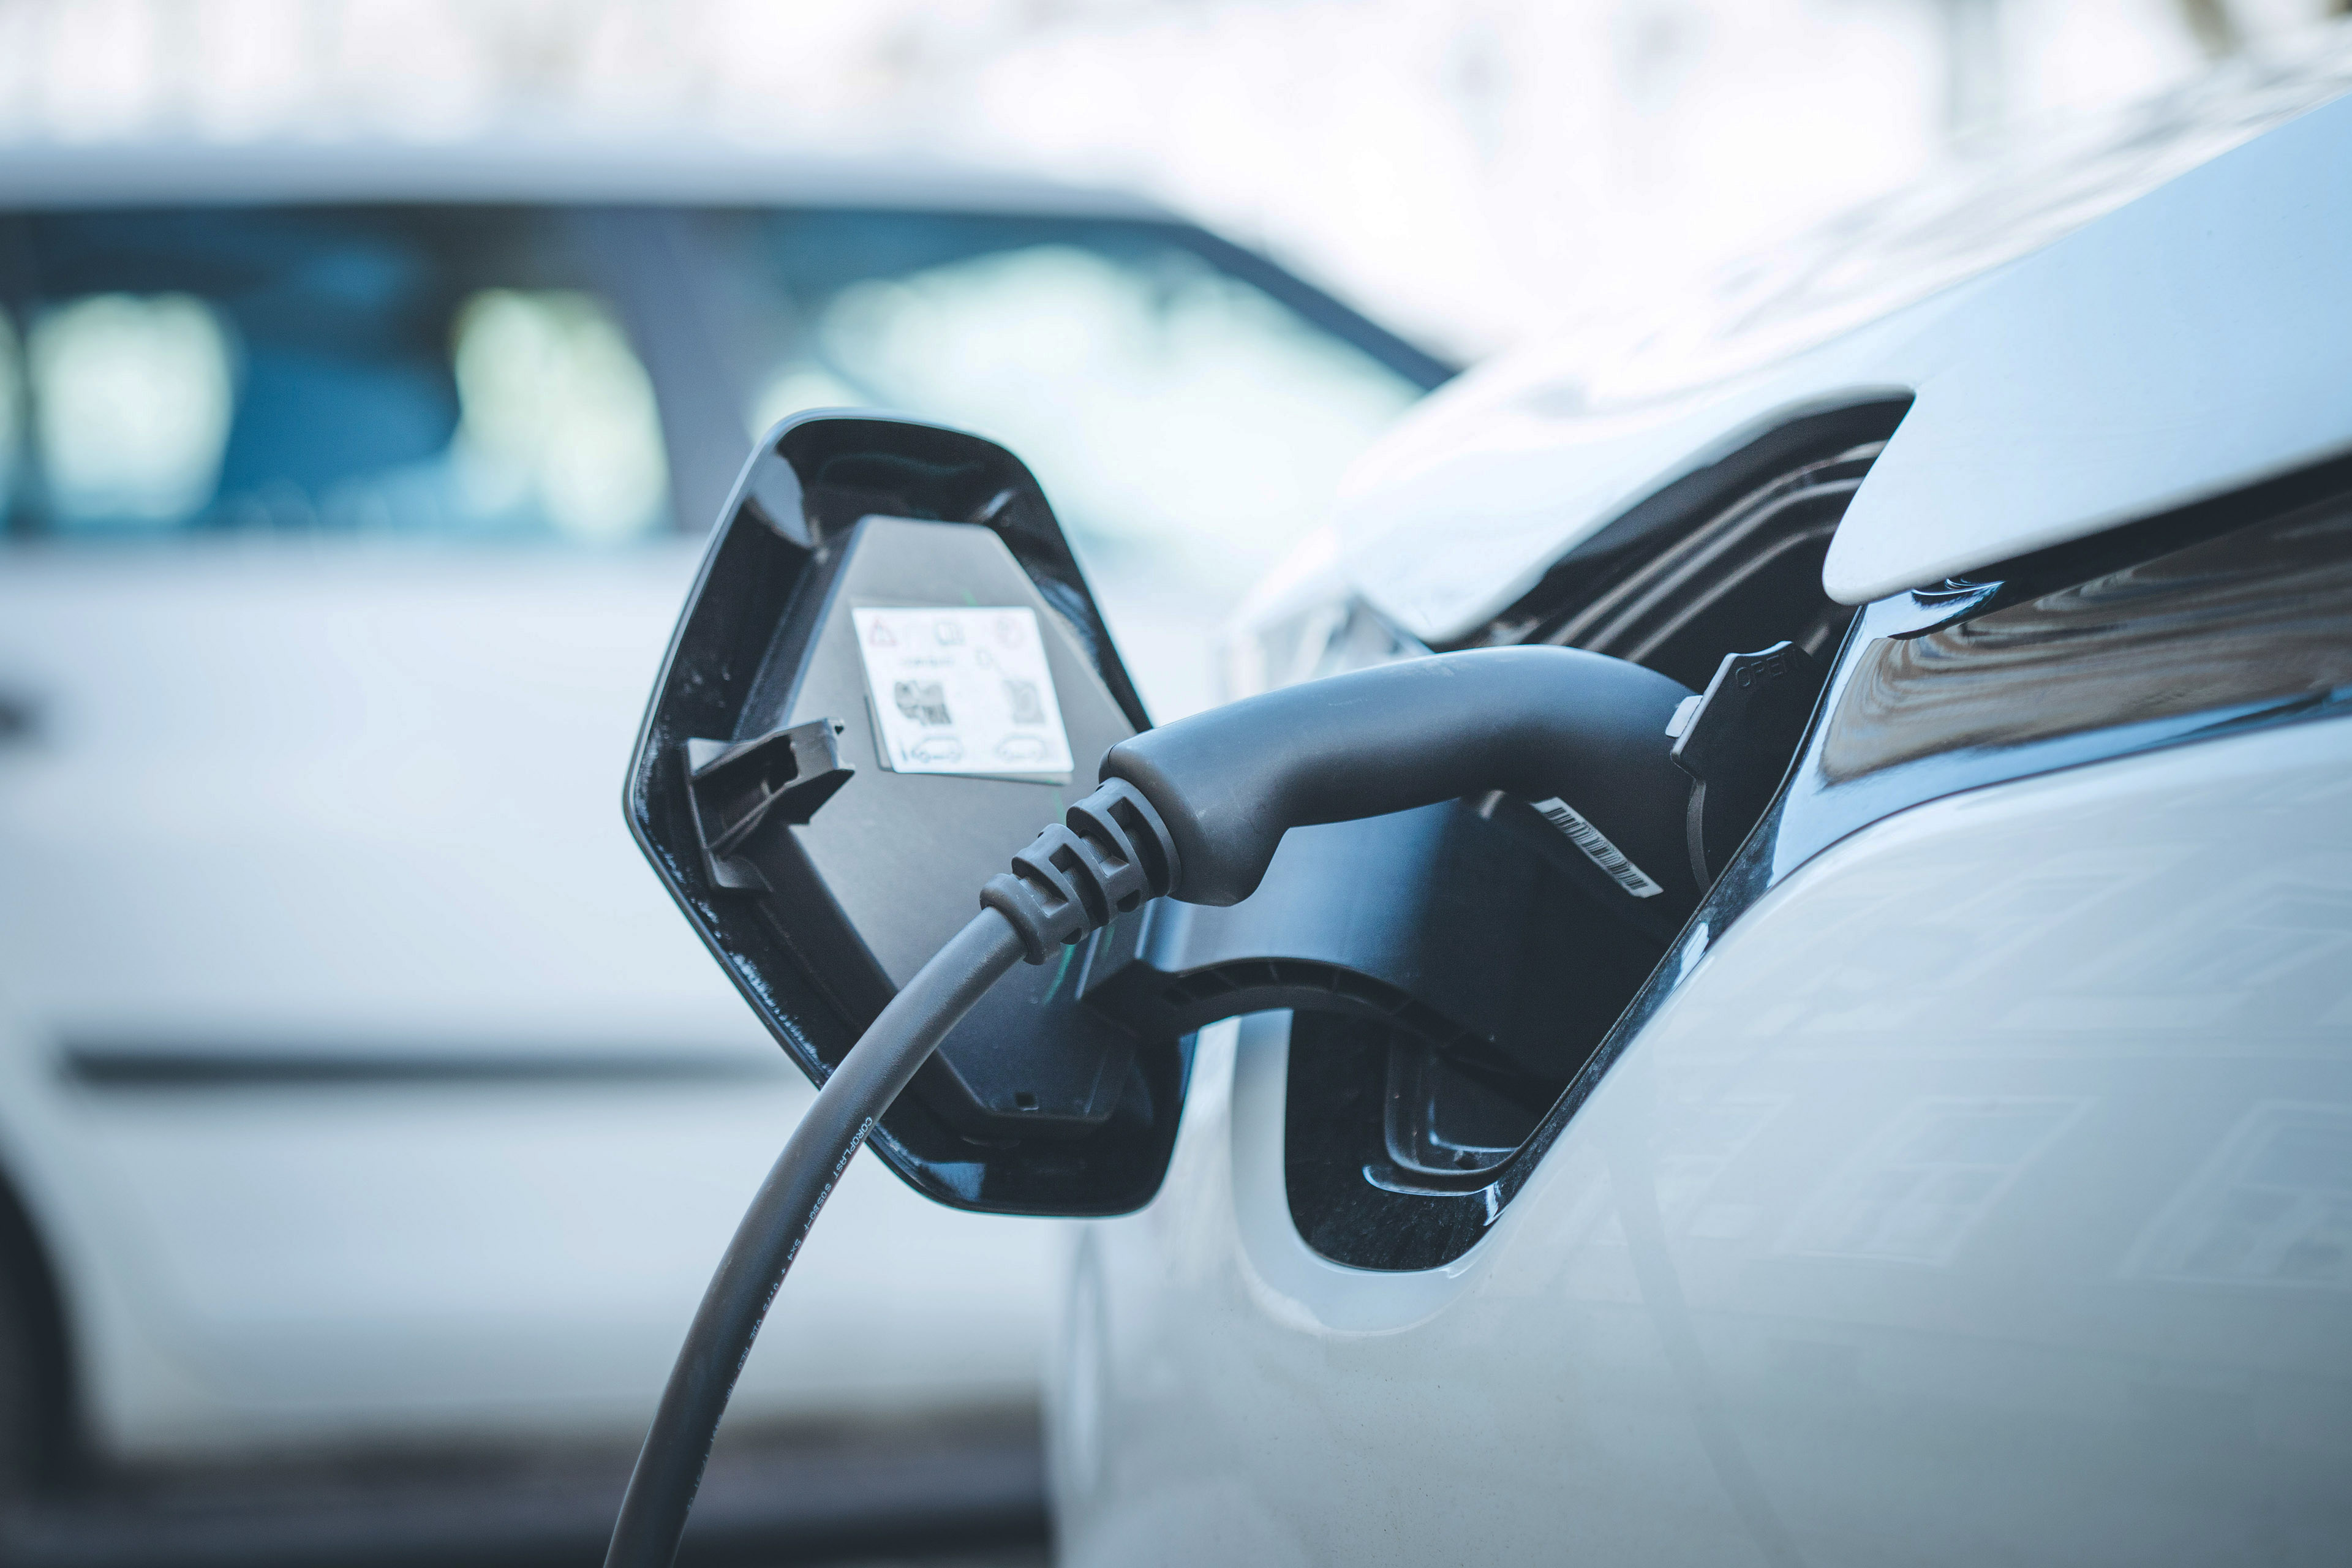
2185, 345
2190, 345
1940, 1217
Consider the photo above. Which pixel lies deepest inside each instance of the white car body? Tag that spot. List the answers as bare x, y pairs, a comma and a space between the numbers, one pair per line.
1977, 1186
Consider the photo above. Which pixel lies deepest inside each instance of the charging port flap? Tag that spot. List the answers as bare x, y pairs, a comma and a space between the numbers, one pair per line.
888, 674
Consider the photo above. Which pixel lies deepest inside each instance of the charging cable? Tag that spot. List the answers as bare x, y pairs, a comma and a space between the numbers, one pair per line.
1195, 810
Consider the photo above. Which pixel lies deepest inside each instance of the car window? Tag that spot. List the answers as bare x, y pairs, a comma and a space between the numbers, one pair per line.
413, 371
1162, 400
483, 371
132, 405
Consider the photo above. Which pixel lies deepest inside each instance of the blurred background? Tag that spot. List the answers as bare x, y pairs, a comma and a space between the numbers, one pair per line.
370, 372
1469, 176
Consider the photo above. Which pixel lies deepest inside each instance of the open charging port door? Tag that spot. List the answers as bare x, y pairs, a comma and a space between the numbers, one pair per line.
889, 673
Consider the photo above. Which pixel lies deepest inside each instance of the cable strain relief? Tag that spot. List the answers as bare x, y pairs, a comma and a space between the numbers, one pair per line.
1120, 818
1031, 917
1112, 854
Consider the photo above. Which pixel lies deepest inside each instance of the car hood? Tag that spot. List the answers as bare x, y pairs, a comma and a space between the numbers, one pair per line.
2115, 321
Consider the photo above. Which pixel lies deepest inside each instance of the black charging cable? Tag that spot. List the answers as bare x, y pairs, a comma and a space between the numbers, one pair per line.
669, 1466
1111, 853
1194, 809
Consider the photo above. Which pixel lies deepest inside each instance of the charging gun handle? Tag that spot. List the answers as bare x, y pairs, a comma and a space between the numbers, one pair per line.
1540, 722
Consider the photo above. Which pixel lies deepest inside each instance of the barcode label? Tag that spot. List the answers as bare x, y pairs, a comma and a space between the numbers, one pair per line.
1598, 849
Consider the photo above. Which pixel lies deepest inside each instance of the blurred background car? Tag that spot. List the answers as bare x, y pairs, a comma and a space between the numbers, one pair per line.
361, 1090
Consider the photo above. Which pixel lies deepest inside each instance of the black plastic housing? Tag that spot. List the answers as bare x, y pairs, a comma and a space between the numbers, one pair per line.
1446, 923
818, 919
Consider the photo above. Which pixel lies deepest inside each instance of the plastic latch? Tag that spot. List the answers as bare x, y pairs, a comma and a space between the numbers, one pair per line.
1747, 687
1737, 743
735, 786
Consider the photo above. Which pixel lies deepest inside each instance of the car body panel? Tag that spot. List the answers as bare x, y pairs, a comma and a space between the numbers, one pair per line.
2037, 387
2142, 364
1939, 1216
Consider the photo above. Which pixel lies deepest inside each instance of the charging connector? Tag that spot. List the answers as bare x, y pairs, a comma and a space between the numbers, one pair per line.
1195, 810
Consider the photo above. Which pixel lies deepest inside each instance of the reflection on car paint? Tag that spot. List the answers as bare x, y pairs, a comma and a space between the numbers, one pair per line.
2273, 1207
1928, 1180
2255, 617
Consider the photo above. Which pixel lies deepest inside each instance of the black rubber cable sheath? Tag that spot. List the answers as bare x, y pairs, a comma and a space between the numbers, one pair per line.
669, 1467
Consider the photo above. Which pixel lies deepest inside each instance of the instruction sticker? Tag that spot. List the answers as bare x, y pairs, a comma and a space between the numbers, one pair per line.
963, 691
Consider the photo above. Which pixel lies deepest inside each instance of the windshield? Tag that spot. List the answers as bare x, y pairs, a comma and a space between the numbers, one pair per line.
594, 375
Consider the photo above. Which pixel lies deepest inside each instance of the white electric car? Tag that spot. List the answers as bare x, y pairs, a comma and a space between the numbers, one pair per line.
1969, 1180
357, 1088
